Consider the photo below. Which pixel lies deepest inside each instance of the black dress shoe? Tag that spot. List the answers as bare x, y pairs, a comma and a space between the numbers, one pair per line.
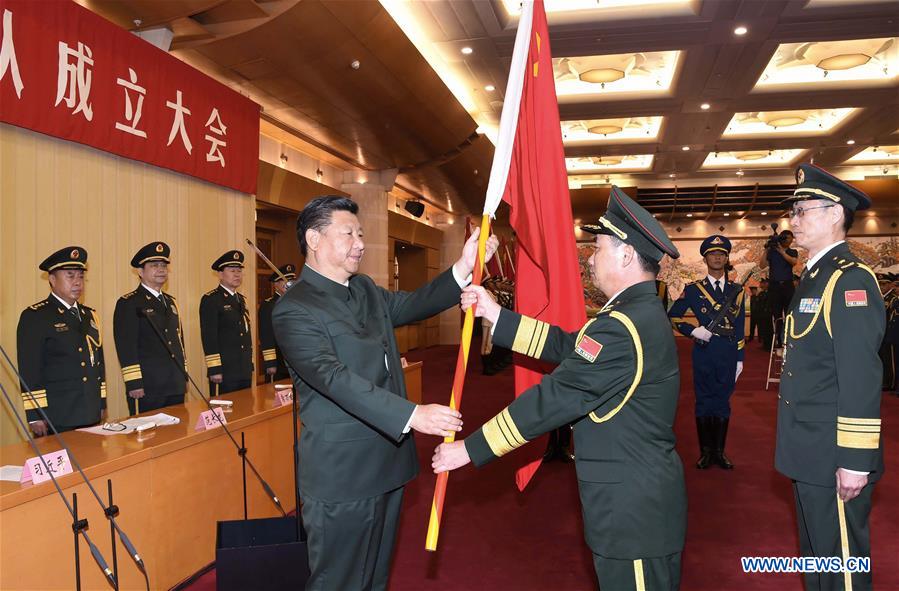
705, 460
723, 461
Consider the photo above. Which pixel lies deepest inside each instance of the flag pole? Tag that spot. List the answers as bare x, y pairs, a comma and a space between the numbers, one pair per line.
496, 187
458, 385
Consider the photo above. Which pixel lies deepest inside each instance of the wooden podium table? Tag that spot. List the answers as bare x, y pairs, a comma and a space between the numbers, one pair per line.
171, 488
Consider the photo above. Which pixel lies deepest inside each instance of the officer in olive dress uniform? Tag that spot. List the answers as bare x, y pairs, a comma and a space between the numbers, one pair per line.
273, 360
148, 335
717, 354
618, 380
225, 328
828, 418
60, 350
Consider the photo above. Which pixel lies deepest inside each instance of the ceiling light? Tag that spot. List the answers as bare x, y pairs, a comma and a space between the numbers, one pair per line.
727, 214
783, 118
490, 88
764, 213
672, 175
467, 51
605, 129
601, 75
740, 173
850, 143
741, 30
844, 61
705, 106
689, 215
750, 155
685, 148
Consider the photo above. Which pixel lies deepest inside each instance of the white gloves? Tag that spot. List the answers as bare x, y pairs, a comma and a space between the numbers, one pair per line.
739, 370
701, 333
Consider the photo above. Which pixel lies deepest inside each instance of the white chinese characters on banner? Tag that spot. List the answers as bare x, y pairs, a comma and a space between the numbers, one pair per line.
132, 110
8, 59
218, 128
178, 122
75, 78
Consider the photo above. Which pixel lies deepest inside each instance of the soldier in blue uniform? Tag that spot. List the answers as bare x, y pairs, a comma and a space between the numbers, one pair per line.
717, 353
60, 350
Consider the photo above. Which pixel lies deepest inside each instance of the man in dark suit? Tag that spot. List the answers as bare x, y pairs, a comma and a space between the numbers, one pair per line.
335, 328
618, 380
717, 353
225, 328
60, 350
828, 414
148, 336
272, 358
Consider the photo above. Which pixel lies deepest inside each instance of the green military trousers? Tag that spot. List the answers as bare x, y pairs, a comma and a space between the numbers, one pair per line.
351, 543
645, 574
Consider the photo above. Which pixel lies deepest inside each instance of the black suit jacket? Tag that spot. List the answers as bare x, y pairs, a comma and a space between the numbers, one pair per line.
339, 344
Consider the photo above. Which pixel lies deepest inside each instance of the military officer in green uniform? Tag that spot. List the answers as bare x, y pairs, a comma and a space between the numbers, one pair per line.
828, 419
335, 328
60, 350
225, 328
272, 359
148, 335
618, 380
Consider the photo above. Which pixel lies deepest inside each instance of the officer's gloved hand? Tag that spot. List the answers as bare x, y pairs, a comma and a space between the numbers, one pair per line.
739, 370
702, 333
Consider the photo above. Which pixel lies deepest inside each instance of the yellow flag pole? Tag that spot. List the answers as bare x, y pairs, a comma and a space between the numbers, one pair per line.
456, 393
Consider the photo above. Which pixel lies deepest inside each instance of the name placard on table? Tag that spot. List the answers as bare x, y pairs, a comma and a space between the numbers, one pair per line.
36, 471
210, 419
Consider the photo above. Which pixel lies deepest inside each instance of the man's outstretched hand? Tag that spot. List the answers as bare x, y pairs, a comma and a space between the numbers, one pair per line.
449, 456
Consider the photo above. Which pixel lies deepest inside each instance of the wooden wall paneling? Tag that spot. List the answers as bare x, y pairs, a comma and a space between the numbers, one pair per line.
55, 193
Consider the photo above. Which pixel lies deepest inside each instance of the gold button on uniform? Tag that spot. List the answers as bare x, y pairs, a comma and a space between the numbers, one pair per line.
82, 364
84, 379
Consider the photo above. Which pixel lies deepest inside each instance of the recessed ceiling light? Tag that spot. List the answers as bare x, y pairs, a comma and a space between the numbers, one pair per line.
741, 30
685, 148
689, 215
705, 106
764, 213
672, 175
467, 51
740, 173
850, 142
490, 88
727, 214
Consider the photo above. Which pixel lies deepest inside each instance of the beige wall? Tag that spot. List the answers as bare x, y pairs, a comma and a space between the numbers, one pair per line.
55, 193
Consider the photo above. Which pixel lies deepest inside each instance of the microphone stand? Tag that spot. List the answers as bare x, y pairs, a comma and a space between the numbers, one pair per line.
107, 510
79, 526
240, 450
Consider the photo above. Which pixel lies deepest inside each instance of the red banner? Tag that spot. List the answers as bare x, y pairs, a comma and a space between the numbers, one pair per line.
68, 73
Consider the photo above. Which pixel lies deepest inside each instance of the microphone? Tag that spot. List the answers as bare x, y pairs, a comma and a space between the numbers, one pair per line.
110, 515
142, 313
95, 552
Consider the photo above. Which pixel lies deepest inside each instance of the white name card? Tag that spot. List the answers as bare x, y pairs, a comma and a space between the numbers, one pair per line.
283, 396
57, 463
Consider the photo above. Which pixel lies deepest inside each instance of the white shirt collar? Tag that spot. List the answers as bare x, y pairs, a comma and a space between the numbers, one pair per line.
811, 262
227, 289
151, 290
68, 307
712, 280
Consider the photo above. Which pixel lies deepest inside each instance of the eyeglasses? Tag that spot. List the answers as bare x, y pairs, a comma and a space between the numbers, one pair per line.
114, 427
798, 212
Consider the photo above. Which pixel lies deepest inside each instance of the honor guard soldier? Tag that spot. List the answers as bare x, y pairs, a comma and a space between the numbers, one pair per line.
225, 328
60, 350
717, 352
828, 413
618, 381
272, 359
148, 335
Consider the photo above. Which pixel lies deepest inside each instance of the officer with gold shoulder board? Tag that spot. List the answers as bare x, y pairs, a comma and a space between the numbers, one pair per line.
60, 350
273, 360
225, 328
151, 372
828, 419
618, 381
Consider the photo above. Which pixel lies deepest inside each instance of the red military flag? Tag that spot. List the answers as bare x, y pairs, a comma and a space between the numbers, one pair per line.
548, 281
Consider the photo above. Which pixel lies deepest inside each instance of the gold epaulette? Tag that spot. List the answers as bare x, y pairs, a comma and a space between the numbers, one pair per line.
129, 294
211, 292
38, 305
170, 296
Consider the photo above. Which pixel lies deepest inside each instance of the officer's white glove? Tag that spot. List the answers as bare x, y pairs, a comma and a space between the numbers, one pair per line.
739, 370
702, 333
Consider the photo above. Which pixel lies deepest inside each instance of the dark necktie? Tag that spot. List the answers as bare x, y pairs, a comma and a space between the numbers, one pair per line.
75, 313
718, 291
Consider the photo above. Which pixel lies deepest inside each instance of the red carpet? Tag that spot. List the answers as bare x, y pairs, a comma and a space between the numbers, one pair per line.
494, 538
